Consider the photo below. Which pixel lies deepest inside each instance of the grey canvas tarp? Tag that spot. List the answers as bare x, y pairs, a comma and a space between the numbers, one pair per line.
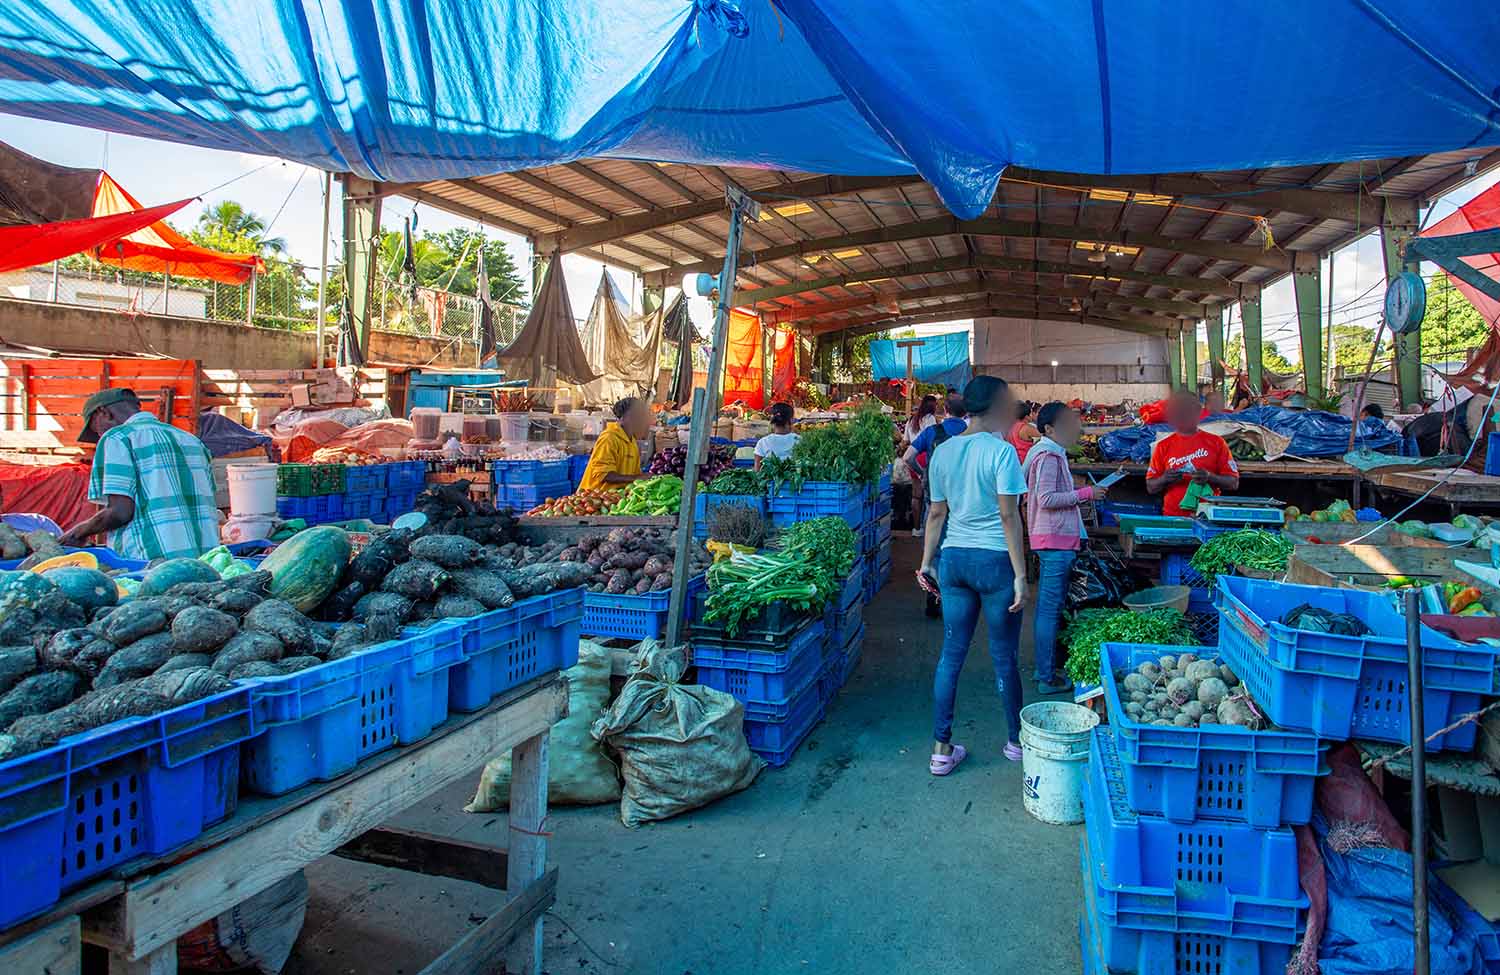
622, 348
677, 326
33, 190
548, 350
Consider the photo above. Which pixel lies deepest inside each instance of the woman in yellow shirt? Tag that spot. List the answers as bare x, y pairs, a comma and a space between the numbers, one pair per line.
616, 458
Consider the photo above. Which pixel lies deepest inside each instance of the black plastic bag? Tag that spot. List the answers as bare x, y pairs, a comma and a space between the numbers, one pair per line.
1097, 580
1315, 620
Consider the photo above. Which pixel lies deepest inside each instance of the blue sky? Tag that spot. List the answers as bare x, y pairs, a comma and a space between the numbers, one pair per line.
289, 195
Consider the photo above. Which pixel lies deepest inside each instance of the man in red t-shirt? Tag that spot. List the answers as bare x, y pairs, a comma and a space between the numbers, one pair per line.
1188, 455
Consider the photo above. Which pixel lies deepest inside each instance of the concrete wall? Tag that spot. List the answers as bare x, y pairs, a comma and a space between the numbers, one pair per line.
1107, 394
217, 345
999, 342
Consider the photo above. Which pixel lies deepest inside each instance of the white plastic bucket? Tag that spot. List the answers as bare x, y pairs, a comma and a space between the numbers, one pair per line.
1054, 758
252, 489
515, 427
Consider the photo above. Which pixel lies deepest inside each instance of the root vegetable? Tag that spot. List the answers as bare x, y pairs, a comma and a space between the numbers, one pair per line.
1168, 662
1236, 712
1140, 697
1136, 682
1150, 671
1180, 690
1183, 659
1193, 709
1208, 718
1200, 670
1228, 676
1212, 692
1183, 720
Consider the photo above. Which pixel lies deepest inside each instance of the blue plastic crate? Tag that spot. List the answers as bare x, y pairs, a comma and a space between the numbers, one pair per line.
777, 741
531, 473
1204, 530
578, 464
818, 499
363, 505
1147, 866
409, 476
1110, 948
1176, 571
764, 676
523, 498
831, 677
1205, 627
367, 479
781, 710
504, 648
703, 504
1110, 511
1492, 456
633, 616
137, 787
854, 588
851, 656
397, 505
1469, 921
874, 533
1341, 687
1264, 778
845, 624
320, 722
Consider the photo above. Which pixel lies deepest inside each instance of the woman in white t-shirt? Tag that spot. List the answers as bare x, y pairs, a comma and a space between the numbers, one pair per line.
780, 442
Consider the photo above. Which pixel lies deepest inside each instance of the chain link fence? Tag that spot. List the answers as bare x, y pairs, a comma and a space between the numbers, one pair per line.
442, 314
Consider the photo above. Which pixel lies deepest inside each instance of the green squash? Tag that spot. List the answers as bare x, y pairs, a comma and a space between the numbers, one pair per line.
23, 590
306, 568
169, 573
89, 588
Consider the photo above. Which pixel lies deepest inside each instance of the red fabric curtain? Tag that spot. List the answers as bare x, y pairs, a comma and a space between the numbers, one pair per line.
783, 364
29, 244
1480, 213
743, 378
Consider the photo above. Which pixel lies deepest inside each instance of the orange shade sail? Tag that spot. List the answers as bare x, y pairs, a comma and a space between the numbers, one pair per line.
160, 249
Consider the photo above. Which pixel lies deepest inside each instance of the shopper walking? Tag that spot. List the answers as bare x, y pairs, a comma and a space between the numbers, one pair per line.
974, 517
1055, 527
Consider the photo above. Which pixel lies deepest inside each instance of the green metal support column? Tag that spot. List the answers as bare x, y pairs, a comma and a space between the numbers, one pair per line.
1308, 287
1215, 322
1190, 357
361, 219
652, 297
1174, 361
1254, 346
1398, 221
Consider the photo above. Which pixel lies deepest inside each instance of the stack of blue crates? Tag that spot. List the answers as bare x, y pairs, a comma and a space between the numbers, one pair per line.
1187, 853
844, 634
1203, 619
521, 485
876, 534
378, 492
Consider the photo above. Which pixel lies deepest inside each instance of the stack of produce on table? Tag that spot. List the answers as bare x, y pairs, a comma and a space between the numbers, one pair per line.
1249, 547
738, 481
31, 547
532, 452
1184, 691
805, 572
673, 461
595, 501
622, 560
660, 495
448, 508
1088, 629
857, 450
1086, 450
1338, 511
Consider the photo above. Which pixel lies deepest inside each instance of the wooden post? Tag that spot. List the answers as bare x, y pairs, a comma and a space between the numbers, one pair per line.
323, 270
908, 345
527, 850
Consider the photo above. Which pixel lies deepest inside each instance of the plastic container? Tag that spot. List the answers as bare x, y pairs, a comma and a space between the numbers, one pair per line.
407, 476
252, 489
854, 589
1342, 687
851, 655
1219, 772
843, 624
1492, 455
705, 503
137, 787
425, 422
522, 498
531, 473
1054, 758
1468, 920
319, 723
1159, 597
778, 740
1176, 570
776, 624
1147, 866
632, 616
818, 499
504, 648
763, 676
367, 479
450, 424
474, 428
1110, 511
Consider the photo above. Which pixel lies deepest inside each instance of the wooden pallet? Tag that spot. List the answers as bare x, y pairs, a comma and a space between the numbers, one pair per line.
254, 396
44, 397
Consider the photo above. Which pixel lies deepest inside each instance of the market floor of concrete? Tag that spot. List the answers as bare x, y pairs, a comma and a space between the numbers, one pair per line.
850, 859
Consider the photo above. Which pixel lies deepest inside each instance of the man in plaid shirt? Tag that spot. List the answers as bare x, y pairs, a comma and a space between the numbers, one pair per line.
154, 481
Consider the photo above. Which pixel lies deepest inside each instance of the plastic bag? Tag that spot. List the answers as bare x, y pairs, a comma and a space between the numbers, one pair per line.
579, 773
256, 935
1311, 618
681, 746
1097, 581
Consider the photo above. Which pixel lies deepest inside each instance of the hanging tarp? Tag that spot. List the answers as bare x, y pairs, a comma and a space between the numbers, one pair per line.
783, 363
547, 351
1480, 213
744, 380
939, 359
27, 245
621, 347
677, 327
33, 190
451, 88
160, 249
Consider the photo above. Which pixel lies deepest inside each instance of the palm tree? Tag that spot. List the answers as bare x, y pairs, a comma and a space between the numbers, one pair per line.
227, 219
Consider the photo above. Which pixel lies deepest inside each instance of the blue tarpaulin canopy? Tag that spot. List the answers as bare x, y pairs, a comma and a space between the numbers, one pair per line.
939, 359
413, 90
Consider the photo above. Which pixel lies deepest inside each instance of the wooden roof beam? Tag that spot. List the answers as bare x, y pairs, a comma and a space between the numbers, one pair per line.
758, 295
1138, 325
992, 289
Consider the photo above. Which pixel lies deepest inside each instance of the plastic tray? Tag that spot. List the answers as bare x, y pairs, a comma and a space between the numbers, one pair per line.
320, 722
876, 532
309, 480
396, 505
1176, 571
770, 630
818, 499
1264, 778
505, 648
777, 741
106, 557
1346, 687
851, 658
364, 505
705, 503
1145, 866
407, 476
763, 676
1110, 511
632, 617
831, 677
854, 588
842, 625
530, 473
138, 787
525, 497
1108, 948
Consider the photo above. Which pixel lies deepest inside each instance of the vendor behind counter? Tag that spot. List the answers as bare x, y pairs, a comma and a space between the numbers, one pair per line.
616, 458
154, 482
1188, 463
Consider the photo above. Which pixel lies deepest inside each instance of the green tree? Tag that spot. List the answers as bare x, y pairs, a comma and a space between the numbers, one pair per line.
1270, 356
285, 294
1452, 325
463, 247
227, 224
1351, 348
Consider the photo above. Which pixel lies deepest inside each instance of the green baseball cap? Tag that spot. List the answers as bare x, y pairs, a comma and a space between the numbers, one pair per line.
97, 402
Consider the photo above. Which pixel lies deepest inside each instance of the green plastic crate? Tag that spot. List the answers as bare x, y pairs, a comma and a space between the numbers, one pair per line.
309, 480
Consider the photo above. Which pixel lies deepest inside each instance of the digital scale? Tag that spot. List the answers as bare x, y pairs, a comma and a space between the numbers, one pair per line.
1241, 511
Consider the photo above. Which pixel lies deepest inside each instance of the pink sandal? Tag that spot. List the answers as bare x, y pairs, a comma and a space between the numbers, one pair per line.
1013, 752
944, 764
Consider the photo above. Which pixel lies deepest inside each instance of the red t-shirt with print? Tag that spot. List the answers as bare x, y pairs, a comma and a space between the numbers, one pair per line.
1174, 452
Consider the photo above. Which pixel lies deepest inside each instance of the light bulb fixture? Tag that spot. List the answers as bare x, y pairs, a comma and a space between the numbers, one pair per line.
1075, 308
1097, 257
1054, 363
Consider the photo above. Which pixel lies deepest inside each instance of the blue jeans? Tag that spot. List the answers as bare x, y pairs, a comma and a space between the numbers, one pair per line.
972, 579
1052, 594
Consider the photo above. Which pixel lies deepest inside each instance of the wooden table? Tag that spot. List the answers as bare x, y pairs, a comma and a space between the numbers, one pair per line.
1306, 470
269, 839
1461, 488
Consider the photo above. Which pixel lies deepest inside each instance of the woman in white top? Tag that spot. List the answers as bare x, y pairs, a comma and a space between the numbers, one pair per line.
780, 442
924, 416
